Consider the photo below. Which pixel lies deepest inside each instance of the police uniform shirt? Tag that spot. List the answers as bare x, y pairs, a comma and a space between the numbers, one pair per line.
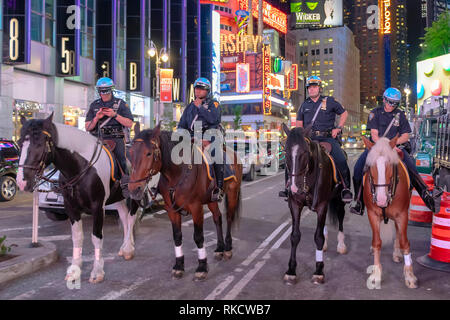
208, 113
326, 117
124, 111
379, 119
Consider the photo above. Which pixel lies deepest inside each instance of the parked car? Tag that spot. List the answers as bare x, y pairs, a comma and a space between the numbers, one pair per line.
253, 158
354, 143
9, 161
52, 204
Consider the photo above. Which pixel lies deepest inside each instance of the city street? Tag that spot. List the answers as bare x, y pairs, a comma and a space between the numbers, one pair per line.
261, 249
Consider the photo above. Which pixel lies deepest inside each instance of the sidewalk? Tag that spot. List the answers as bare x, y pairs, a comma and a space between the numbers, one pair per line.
27, 259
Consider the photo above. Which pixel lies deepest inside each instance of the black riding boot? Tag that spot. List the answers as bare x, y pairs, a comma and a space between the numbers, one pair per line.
284, 193
358, 207
217, 193
346, 194
422, 190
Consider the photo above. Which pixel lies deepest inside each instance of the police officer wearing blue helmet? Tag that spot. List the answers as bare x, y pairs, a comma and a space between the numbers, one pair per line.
206, 110
380, 119
107, 117
323, 128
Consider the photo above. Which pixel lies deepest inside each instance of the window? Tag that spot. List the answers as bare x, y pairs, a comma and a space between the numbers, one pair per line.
331, 50
121, 34
325, 51
43, 21
313, 52
87, 33
317, 52
330, 40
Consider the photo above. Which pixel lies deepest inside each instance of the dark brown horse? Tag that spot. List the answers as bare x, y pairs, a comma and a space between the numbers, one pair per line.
184, 187
387, 196
311, 184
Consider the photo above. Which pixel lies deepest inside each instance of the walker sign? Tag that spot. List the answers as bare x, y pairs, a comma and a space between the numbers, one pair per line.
315, 13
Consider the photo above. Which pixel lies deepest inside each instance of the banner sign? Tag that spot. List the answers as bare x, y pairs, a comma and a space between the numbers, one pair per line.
242, 77
165, 87
292, 78
267, 104
315, 13
68, 38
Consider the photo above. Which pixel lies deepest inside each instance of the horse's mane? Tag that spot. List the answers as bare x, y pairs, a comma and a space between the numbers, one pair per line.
296, 137
166, 142
382, 148
74, 139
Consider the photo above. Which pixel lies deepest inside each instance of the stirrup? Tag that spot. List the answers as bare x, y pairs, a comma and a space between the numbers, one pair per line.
283, 194
217, 195
342, 195
355, 211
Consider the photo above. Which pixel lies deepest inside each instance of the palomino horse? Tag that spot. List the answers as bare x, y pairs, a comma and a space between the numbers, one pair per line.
186, 187
387, 196
85, 181
311, 184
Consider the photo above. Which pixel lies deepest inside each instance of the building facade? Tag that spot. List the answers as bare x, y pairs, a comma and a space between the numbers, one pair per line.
332, 55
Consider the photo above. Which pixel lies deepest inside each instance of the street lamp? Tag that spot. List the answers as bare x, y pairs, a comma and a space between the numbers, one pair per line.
407, 91
164, 57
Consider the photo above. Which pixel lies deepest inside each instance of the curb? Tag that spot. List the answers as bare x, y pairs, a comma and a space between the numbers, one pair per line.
28, 259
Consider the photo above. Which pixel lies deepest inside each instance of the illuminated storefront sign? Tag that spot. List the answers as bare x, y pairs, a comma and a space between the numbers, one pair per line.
242, 77
292, 78
166, 76
386, 17
232, 43
275, 81
267, 104
271, 15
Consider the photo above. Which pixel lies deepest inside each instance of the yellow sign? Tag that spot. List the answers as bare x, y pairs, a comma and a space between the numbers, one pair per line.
232, 43
386, 17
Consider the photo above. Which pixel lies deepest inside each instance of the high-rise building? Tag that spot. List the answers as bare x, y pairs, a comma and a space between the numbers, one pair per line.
431, 9
332, 55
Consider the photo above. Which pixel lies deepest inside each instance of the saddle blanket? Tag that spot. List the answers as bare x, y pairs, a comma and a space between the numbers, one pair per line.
228, 171
115, 172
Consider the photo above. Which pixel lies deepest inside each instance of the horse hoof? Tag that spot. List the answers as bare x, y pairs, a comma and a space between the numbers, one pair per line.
290, 280
128, 256
318, 279
200, 276
342, 249
397, 259
218, 256
177, 274
120, 253
97, 279
227, 255
325, 247
411, 283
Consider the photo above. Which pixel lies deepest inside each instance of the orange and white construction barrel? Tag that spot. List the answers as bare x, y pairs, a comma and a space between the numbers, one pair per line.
419, 214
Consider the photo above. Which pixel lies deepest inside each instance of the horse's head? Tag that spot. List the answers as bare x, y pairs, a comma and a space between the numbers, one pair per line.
381, 160
37, 140
145, 158
297, 155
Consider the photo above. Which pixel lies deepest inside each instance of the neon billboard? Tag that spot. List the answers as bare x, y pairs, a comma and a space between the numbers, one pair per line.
271, 15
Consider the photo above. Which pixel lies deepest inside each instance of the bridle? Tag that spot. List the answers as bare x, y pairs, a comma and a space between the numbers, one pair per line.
392, 185
157, 159
43, 159
302, 173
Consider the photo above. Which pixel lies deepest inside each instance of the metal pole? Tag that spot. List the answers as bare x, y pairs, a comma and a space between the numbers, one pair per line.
34, 235
250, 18
260, 18
157, 90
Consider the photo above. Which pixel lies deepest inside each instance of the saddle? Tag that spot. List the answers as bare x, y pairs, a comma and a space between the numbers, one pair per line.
228, 172
111, 144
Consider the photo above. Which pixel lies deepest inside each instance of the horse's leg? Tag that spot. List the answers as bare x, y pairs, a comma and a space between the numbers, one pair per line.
375, 277
290, 276
397, 254
232, 203
178, 268
74, 271
123, 214
410, 278
131, 220
325, 243
341, 247
319, 238
97, 273
217, 216
197, 216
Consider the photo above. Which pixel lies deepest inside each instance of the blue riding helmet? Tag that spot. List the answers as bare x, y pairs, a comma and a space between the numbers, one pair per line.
202, 83
313, 80
104, 84
393, 96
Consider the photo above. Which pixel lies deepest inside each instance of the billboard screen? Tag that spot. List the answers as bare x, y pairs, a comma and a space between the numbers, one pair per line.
433, 77
316, 13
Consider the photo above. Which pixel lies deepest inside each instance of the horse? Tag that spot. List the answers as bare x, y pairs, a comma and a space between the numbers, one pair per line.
311, 184
387, 195
184, 187
85, 181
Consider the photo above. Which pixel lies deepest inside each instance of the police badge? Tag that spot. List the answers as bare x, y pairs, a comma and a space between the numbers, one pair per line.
397, 120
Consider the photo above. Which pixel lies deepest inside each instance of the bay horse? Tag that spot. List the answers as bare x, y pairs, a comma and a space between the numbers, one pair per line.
387, 196
311, 184
85, 181
184, 186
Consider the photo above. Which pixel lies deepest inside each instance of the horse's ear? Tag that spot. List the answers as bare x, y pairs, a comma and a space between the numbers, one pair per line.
369, 144
137, 128
157, 130
285, 128
22, 120
50, 118
393, 141
307, 131
48, 121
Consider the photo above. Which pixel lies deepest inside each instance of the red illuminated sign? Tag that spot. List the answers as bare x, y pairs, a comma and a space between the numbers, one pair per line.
267, 104
271, 15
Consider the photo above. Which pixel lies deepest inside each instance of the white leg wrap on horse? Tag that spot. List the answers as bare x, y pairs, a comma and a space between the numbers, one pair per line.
178, 251
407, 258
77, 234
201, 253
98, 243
325, 231
98, 254
77, 253
319, 256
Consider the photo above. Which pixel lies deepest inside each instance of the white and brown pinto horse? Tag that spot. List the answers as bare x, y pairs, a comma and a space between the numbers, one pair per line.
387, 196
85, 181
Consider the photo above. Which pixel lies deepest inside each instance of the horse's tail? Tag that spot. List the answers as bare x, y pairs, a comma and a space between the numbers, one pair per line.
336, 206
236, 215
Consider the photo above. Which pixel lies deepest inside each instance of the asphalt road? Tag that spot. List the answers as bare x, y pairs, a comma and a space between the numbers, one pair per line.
261, 250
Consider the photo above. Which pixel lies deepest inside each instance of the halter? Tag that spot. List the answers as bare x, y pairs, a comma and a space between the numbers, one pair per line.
41, 166
156, 157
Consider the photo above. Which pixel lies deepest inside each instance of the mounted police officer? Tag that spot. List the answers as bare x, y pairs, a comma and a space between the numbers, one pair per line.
206, 110
393, 120
108, 117
324, 110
